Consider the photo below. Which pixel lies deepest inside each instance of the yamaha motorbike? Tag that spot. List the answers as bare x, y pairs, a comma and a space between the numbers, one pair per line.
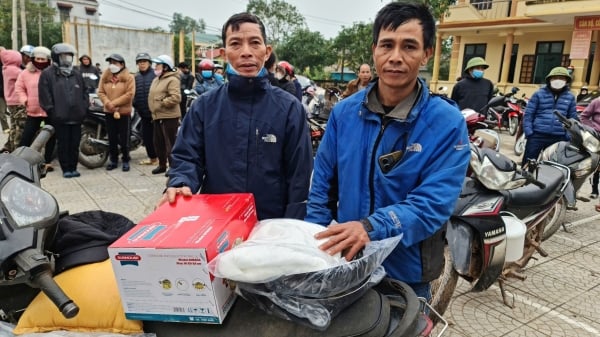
29, 217
498, 222
581, 155
93, 147
503, 112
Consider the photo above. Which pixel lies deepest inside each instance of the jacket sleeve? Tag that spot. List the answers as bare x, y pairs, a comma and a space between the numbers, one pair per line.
572, 112
21, 89
589, 111
529, 115
173, 96
45, 92
325, 168
298, 161
127, 97
102, 92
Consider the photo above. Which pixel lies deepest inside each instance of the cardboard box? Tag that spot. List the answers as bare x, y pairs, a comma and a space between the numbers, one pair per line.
161, 264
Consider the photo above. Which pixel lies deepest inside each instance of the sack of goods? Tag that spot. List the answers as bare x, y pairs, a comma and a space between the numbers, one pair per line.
281, 270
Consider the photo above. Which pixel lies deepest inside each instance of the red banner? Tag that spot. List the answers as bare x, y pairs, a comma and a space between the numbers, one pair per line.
587, 22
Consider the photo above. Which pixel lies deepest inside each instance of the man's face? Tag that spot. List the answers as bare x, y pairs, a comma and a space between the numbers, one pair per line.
143, 65
85, 61
364, 73
399, 54
245, 49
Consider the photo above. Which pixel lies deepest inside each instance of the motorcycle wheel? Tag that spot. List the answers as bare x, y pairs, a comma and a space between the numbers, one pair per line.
89, 155
513, 125
555, 219
443, 287
520, 145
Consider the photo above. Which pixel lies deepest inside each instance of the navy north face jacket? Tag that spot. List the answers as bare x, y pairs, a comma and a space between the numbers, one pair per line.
246, 136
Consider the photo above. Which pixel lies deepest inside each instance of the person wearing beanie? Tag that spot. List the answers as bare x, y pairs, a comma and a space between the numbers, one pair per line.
473, 91
27, 89
91, 75
116, 90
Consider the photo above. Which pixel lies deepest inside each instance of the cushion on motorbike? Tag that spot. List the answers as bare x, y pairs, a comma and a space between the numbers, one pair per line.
94, 289
368, 317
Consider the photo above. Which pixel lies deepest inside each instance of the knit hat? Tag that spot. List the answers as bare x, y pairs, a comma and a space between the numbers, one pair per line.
84, 237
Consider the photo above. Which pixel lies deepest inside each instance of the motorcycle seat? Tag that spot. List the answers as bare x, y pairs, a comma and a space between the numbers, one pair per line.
530, 194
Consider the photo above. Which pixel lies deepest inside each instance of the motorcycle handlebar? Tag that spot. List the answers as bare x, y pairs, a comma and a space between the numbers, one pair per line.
47, 284
42, 138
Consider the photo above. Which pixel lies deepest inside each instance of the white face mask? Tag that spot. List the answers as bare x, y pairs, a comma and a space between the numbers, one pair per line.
279, 75
114, 68
558, 84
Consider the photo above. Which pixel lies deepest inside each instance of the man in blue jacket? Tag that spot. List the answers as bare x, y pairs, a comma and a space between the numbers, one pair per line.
394, 156
246, 135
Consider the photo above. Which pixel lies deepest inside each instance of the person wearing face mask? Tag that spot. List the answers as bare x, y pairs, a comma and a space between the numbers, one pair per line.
143, 81
284, 73
205, 77
64, 98
163, 100
28, 94
116, 90
246, 135
473, 91
540, 126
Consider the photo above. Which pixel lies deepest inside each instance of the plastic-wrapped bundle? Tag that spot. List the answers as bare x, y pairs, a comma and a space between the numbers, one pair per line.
310, 297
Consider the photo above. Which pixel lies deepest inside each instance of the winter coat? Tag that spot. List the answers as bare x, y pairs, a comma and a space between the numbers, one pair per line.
27, 90
539, 115
164, 96
413, 198
246, 136
88, 72
288, 86
64, 98
143, 81
204, 85
591, 115
120, 93
472, 93
11, 68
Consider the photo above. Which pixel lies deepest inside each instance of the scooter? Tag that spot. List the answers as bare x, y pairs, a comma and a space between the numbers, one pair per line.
498, 222
479, 132
515, 112
93, 146
499, 113
581, 155
30, 215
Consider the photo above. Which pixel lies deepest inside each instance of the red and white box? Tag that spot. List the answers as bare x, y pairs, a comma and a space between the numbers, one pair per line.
161, 265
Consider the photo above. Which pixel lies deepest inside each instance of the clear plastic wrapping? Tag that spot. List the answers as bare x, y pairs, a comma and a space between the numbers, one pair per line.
312, 298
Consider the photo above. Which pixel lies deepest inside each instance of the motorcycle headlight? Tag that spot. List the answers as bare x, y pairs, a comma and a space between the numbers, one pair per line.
493, 178
590, 143
27, 204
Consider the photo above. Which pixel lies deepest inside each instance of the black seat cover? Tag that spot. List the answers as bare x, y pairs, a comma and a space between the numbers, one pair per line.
531, 195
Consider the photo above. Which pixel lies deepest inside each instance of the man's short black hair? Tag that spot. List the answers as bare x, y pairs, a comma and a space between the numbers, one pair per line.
183, 65
397, 13
237, 19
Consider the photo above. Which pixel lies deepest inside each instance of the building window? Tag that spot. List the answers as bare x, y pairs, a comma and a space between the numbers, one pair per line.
473, 50
64, 11
482, 4
548, 54
90, 10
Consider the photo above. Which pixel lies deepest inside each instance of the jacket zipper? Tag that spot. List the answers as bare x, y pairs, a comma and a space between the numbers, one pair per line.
372, 171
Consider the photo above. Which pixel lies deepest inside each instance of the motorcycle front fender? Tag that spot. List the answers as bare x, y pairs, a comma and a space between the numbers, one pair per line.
512, 114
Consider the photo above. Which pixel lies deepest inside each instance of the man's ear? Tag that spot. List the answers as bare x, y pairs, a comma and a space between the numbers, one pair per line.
222, 53
428, 53
269, 51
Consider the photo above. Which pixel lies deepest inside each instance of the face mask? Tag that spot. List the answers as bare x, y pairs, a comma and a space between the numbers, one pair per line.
157, 72
114, 68
65, 60
279, 76
219, 77
477, 73
558, 84
207, 74
40, 65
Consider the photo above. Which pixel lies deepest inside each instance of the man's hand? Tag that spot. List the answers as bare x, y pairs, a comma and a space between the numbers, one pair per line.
348, 238
172, 192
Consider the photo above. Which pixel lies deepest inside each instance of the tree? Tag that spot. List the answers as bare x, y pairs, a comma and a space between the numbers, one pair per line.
353, 45
187, 25
278, 16
37, 13
306, 50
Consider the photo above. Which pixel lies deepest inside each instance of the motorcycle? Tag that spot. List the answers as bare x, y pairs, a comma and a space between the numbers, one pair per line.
498, 222
479, 134
30, 215
93, 147
501, 114
515, 113
520, 140
581, 155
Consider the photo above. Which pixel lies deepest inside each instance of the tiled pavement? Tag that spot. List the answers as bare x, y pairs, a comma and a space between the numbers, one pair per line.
560, 297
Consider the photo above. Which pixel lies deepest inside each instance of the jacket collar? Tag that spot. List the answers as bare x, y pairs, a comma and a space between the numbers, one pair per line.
248, 85
407, 110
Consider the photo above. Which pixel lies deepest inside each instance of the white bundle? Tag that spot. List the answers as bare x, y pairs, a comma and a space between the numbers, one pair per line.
275, 248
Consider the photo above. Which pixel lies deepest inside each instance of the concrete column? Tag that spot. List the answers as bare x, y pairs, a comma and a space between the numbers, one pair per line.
454, 70
594, 76
510, 39
436, 62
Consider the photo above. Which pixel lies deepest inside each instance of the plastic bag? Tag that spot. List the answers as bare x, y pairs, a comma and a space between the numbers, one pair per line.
311, 298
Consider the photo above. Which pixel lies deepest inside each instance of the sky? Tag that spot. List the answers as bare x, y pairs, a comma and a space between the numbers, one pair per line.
324, 16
